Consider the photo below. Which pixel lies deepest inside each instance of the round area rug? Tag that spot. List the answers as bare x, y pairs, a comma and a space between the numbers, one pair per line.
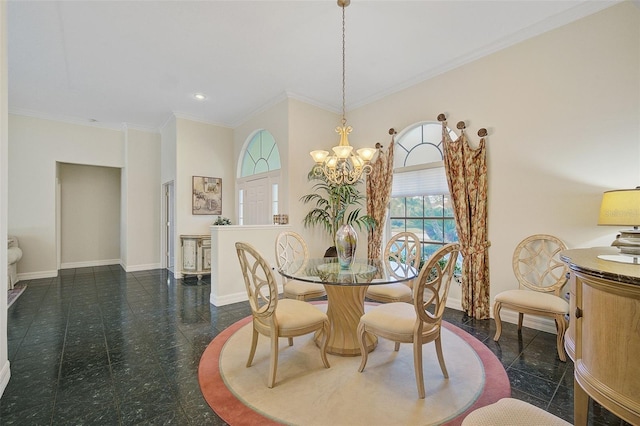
306, 393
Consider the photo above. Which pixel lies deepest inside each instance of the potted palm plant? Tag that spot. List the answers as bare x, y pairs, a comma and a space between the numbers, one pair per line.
334, 206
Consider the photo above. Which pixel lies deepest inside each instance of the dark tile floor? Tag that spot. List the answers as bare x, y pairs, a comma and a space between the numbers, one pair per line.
98, 346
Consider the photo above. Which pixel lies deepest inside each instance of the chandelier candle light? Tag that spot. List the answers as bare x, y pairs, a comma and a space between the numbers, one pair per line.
344, 166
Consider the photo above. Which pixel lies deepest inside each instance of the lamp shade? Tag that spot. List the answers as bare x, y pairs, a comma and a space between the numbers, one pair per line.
620, 207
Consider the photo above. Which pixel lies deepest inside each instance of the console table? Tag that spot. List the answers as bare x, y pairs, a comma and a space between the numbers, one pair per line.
603, 338
196, 255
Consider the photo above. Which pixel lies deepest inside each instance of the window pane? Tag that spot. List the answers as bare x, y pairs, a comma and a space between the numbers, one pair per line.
247, 165
429, 249
397, 225
261, 166
448, 207
414, 207
450, 233
433, 206
423, 154
396, 207
433, 229
415, 226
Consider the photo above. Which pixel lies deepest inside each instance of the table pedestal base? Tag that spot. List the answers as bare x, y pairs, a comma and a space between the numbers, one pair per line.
345, 307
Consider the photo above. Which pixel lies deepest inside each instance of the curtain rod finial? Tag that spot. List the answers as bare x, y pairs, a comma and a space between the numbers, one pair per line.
442, 117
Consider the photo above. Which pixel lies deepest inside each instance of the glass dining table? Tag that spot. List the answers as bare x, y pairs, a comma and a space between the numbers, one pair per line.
346, 289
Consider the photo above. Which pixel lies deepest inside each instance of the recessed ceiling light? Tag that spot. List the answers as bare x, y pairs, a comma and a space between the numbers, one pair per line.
199, 96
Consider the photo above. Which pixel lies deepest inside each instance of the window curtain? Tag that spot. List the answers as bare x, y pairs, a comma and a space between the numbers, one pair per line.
379, 184
466, 170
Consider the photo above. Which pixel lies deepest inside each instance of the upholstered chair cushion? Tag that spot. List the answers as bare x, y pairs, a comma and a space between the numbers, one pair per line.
395, 291
294, 314
398, 318
534, 300
512, 412
294, 289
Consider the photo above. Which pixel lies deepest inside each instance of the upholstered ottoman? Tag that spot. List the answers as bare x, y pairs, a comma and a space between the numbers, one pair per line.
512, 412
14, 254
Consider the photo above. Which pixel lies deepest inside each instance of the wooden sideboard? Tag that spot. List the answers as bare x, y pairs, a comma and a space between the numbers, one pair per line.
603, 338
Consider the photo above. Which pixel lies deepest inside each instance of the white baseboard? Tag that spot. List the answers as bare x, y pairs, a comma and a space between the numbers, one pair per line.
37, 275
135, 268
228, 299
5, 375
232, 298
530, 321
89, 263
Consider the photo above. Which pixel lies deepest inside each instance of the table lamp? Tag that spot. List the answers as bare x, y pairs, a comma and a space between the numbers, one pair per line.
621, 207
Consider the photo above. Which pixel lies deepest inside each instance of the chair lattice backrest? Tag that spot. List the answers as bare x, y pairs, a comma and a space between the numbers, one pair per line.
402, 251
259, 281
290, 247
432, 287
537, 265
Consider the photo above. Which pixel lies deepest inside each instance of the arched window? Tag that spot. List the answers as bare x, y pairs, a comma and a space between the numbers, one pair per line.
420, 200
258, 180
261, 155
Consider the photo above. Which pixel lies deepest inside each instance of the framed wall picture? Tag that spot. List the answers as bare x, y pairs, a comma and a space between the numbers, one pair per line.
207, 195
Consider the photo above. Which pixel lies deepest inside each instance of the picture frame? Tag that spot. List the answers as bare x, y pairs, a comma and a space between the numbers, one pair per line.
207, 195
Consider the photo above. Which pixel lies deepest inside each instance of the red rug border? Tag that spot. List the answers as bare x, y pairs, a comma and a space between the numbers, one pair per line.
235, 413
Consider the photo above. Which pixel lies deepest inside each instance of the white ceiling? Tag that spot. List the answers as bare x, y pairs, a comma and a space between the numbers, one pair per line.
137, 62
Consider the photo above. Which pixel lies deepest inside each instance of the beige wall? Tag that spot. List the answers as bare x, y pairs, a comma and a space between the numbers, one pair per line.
90, 215
141, 201
35, 146
563, 114
201, 150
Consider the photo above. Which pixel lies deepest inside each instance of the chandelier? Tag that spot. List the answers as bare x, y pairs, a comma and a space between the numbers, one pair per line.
345, 166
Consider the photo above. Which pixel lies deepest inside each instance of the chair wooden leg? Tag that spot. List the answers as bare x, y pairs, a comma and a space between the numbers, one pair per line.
363, 346
397, 347
417, 365
326, 331
290, 341
496, 317
273, 362
252, 351
520, 319
561, 327
443, 367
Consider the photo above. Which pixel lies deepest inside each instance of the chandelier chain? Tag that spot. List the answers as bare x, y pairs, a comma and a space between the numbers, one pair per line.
344, 120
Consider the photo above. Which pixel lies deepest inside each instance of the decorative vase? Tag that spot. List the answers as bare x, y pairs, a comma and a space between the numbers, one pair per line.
346, 243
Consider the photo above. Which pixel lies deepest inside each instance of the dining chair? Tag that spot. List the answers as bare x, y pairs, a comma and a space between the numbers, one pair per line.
416, 323
541, 275
402, 251
276, 318
290, 247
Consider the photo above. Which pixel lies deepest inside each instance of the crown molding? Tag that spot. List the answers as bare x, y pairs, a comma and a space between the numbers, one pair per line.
189, 117
264, 107
281, 97
80, 121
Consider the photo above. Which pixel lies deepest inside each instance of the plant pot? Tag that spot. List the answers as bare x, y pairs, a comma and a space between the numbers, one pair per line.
346, 244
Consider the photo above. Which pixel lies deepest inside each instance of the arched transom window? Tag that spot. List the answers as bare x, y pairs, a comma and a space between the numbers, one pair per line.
261, 155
